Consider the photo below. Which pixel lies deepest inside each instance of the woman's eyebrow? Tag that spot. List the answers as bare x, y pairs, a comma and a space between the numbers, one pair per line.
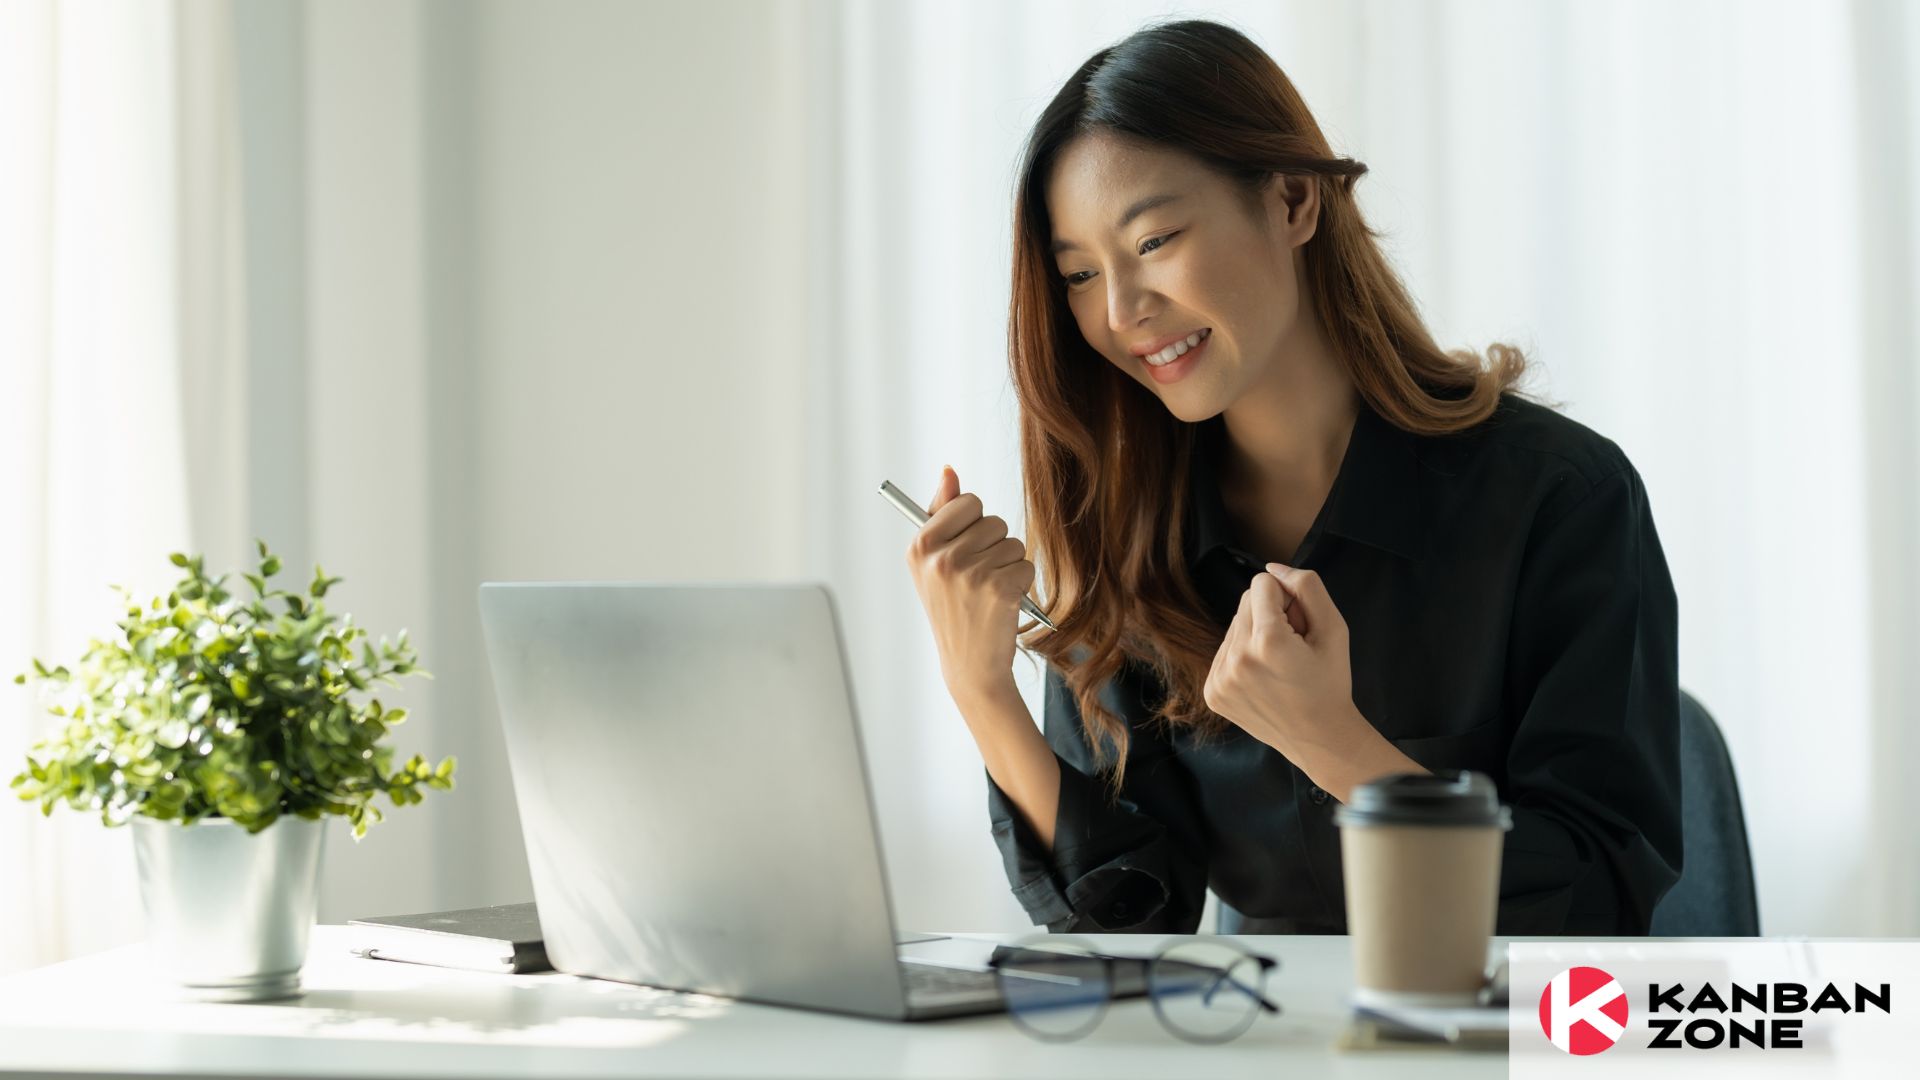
1139, 207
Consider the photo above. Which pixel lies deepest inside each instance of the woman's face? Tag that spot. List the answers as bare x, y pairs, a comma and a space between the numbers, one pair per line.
1194, 262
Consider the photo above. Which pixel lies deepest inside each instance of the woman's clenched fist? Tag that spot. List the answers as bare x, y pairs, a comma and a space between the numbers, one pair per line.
971, 577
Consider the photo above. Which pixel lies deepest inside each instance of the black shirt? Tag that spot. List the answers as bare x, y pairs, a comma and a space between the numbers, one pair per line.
1509, 611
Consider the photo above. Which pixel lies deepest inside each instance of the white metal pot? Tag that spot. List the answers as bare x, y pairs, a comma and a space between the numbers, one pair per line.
229, 914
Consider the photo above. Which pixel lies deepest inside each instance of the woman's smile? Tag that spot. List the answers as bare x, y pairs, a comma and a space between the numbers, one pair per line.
1176, 369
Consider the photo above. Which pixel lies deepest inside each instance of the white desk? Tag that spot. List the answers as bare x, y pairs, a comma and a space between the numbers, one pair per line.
372, 1018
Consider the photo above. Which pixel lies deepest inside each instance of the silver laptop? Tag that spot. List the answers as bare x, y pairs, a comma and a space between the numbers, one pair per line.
694, 796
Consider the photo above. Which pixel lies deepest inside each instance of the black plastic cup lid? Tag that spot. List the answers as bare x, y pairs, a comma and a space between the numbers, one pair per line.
1448, 797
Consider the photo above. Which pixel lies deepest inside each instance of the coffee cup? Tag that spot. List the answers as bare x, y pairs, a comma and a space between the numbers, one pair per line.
1421, 857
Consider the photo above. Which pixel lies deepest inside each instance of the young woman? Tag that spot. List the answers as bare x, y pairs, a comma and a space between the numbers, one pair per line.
1289, 543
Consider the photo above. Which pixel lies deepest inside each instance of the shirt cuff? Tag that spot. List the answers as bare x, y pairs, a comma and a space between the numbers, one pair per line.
1084, 874
1118, 896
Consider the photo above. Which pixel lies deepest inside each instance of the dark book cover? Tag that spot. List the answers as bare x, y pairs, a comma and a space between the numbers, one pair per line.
503, 938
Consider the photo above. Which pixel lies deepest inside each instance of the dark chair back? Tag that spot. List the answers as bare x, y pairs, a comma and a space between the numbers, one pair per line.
1714, 896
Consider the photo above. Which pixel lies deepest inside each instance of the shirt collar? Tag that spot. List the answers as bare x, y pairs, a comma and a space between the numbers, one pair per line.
1377, 498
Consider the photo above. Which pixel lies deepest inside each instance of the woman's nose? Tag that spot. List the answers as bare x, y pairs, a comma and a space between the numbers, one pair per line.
1128, 303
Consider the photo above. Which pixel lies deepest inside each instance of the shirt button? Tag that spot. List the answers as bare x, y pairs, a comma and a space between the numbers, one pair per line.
1317, 795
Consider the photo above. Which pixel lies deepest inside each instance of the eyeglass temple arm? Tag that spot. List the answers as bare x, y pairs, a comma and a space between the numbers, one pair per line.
1227, 976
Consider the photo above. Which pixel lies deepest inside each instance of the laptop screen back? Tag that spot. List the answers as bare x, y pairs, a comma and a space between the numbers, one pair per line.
692, 789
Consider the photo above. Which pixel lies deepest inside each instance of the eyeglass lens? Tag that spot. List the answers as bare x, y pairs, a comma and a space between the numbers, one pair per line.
1055, 990
1205, 991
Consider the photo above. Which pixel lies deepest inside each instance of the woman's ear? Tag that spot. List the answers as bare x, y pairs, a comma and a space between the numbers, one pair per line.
1293, 207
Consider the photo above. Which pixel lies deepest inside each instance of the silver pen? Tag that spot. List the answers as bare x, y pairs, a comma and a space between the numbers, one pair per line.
915, 514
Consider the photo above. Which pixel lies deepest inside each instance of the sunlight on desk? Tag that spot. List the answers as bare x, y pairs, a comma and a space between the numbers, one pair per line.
346, 996
107, 1014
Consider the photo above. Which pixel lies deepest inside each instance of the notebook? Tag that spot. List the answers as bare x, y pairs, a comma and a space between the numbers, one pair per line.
504, 938
1481, 1026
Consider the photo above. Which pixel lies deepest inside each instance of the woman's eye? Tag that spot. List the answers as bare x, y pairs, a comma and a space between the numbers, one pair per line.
1148, 246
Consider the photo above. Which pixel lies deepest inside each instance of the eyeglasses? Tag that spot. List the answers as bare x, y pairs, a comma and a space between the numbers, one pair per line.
1205, 990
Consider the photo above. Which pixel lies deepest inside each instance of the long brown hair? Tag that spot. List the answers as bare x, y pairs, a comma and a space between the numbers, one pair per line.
1105, 463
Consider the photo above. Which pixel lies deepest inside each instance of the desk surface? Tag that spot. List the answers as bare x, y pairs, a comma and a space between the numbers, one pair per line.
366, 1018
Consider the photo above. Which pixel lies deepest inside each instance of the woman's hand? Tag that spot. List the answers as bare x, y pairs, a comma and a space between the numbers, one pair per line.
971, 576
1282, 673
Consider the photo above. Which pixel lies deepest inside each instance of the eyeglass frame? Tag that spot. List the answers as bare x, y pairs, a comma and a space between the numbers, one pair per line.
999, 960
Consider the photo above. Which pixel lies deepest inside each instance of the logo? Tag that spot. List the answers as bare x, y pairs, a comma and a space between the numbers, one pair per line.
1583, 1010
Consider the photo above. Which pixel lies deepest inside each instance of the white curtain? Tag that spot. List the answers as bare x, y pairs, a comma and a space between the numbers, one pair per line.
175, 251
1700, 221
118, 313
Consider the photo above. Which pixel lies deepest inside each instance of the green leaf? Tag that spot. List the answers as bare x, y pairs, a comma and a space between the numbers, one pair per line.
177, 559
271, 566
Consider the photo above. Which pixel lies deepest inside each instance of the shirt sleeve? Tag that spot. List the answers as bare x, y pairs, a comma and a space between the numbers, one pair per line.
1134, 865
1593, 769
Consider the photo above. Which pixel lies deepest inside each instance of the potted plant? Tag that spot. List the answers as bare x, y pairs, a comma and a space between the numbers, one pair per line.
224, 730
